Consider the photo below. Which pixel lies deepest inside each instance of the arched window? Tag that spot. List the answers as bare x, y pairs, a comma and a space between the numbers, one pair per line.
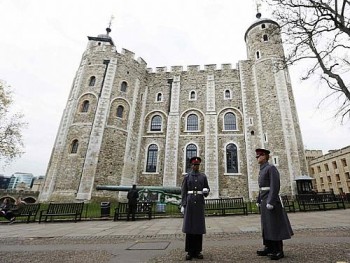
156, 123
257, 54
159, 97
265, 38
231, 158
124, 86
230, 122
74, 146
193, 95
85, 106
227, 94
191, 151
152, 153
120, 111
92, 81
192, 122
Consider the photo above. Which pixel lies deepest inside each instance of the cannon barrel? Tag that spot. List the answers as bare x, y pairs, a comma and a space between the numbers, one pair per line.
166, 189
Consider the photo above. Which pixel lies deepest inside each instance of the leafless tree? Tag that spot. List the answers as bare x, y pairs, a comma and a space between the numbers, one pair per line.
318, 31
11, 125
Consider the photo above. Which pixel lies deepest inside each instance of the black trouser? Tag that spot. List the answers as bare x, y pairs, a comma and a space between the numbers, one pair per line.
7, 214
132, 211
273, 246
193, 245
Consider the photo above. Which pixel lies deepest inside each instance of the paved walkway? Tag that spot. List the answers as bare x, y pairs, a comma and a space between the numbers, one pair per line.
171, 226
141, 240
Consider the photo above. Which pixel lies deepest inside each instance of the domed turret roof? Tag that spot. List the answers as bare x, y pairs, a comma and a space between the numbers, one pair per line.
260, 20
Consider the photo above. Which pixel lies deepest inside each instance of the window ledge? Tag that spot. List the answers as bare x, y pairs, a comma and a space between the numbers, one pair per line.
233, 174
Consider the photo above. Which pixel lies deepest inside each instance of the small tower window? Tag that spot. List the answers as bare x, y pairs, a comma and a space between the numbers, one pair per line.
74, 146
124, 86
265, 38
85, 106
159, 97
231, 158
227, 94
192, 95
92, 81
120, 111
257, 54
263, 26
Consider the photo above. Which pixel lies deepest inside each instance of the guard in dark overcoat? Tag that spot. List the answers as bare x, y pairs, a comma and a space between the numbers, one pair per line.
275, 224
194, 188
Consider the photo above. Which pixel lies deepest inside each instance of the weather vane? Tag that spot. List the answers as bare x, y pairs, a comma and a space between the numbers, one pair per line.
108, 29
110, 21
258, 5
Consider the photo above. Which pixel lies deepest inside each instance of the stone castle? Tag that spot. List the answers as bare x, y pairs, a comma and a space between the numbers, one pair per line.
125, 123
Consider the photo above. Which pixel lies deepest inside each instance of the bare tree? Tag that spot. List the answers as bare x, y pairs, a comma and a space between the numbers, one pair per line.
11, 125
319, 31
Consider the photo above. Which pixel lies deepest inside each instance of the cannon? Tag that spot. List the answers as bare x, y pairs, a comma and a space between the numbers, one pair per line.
168, 194
166, 189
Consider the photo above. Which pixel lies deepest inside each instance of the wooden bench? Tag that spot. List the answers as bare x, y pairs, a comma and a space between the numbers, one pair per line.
224, 206
142, 209
287, 204
62, 209
320, 201
26, 210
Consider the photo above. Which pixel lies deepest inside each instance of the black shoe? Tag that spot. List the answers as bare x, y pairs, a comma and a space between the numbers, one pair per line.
199, 256
276, 256
188, 257
263, 252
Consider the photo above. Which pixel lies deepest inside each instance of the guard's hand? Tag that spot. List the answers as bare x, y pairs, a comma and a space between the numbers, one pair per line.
257, 205
205, 190
269, 207
182, 210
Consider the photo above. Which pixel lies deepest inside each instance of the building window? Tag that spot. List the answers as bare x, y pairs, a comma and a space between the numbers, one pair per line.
85, 106
124, 86
231, 158
151, 166
263, 26
120, 111
192, 122
230, 122
257, 54
334, 165
191, 151
227, 94
156, 123
337, 177
275, 160
265, 38
92, 81
192, 95
159, 97
326, 167
74, 146
312, 170
344, 163
347, 176
319, 169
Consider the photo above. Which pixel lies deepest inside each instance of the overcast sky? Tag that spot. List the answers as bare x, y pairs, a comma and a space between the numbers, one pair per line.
42, 43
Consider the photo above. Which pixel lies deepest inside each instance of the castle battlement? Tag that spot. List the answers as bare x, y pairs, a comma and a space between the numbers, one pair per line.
191, 68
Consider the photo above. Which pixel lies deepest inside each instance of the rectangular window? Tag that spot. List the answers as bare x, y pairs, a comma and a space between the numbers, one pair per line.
319, 169
334, 165
347, 176
326, 167
343, 161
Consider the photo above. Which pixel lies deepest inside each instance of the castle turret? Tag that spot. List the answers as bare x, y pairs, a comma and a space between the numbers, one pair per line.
269, 107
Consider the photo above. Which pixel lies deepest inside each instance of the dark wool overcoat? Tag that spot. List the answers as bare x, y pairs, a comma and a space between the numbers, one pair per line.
194, 221
275, 224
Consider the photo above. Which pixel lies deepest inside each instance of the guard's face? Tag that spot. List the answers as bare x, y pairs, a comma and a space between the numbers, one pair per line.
261, 158
195, 167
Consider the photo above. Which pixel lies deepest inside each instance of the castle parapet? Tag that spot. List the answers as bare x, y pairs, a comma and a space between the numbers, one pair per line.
129, 54
176, 68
